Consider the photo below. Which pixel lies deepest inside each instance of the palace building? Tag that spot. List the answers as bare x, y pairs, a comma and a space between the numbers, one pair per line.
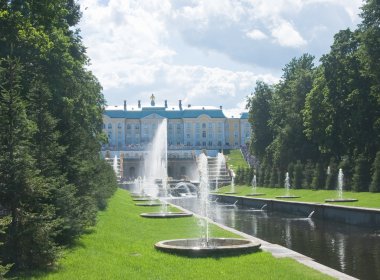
190, 130
190, 127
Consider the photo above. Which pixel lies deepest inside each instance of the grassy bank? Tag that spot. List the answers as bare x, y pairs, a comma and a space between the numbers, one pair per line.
121, 247
235, 159
365, 199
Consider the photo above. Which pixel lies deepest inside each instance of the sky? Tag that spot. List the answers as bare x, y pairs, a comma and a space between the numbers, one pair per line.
204, 52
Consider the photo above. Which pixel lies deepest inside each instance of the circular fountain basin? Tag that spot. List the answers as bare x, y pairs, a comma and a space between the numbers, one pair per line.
150, 204
288, 196
255, 194
230, 192
166, 215
341, 200
215, 246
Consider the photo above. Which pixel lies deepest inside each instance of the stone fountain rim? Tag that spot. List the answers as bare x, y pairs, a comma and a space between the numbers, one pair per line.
158, 215
341, 200
248, 245
150, 204
288, 196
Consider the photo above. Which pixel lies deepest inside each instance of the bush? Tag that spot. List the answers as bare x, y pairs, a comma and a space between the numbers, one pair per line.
375, 182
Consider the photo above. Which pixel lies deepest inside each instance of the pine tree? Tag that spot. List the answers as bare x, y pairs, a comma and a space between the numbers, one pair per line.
274, 177
24, 193
308, 175
298, 175
318, 181
361, 177
375, 182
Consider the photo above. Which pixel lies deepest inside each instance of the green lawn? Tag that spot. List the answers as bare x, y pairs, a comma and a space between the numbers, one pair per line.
121, 247
365, 199
235, 159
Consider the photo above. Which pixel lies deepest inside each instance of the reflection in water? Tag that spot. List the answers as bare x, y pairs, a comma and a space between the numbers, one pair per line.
350, 249
340, 243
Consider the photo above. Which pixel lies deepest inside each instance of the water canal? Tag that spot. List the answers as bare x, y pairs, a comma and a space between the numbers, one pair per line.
351, 249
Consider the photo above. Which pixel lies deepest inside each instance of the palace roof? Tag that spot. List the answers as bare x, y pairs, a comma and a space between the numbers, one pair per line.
169, 113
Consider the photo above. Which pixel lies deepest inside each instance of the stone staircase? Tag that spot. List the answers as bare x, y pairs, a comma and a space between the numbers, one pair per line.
218, 179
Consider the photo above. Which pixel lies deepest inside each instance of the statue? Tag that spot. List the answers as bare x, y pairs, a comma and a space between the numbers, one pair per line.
152, 98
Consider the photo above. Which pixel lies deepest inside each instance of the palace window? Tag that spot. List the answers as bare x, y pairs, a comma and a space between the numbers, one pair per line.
109, 126
203, 125
204, 134
128, 126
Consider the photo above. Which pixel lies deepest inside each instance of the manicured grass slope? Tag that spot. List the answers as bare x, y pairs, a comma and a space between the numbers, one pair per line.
365, 199
121, 247
235, 159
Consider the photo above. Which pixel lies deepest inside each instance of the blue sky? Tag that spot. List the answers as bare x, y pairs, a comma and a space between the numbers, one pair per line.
204, 52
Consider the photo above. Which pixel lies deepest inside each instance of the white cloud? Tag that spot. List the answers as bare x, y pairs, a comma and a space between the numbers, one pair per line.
133, 48
285, 34
256, 34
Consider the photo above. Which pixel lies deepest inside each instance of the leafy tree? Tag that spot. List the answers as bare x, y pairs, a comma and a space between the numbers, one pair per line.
259, 116
288, 101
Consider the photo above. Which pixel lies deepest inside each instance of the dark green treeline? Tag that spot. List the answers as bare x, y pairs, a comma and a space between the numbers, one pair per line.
52, 179
326, 115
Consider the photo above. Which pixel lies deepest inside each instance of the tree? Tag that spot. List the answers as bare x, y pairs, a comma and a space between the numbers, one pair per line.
308, 175
361, 177
298, 175
288, 101
375, 182
259, 116
318, 181
24, 193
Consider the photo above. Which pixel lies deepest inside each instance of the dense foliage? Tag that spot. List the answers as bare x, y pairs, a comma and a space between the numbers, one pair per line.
318, 119
52, 179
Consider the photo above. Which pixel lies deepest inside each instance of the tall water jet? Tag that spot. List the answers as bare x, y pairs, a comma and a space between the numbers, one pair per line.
339, 190
156, 174
254, 187
115, 167
203, 196
287, 188
287, 184
340, 184
156, 162
232, 187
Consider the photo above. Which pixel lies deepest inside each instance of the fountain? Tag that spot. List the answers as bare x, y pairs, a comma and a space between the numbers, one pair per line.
287, 188
340, 190
157, 171
254, 188
206, 246
232, 190
115, 167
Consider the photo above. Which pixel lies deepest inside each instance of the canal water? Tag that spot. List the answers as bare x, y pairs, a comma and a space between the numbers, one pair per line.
350, 249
